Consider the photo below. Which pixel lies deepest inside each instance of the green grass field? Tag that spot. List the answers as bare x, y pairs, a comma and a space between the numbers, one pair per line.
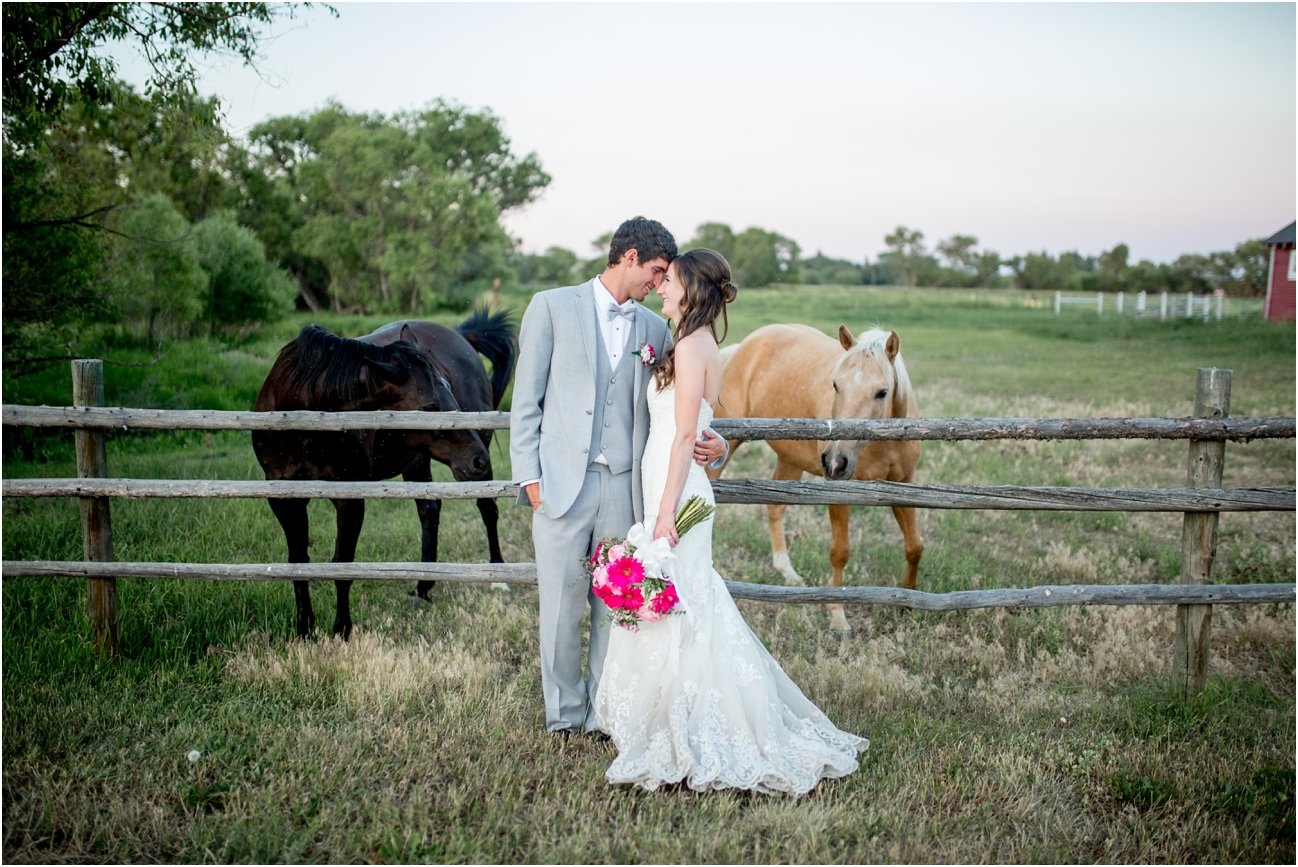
1044, 735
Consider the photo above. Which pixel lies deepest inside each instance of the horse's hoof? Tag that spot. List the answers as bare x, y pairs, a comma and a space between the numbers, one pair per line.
784, 566
500, 585
416, 599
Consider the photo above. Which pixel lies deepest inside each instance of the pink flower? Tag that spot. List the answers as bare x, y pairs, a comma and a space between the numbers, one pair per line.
620, 598
616, 552
665, 601
624, 572
599, 577
599, 549
608, 595
632, 599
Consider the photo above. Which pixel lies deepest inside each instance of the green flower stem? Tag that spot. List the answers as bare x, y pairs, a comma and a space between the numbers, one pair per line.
694, 512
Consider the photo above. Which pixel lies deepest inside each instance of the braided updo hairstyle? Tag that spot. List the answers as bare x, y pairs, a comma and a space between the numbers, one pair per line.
705, 276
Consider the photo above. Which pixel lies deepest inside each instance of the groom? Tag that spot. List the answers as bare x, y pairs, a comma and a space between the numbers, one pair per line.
577, 429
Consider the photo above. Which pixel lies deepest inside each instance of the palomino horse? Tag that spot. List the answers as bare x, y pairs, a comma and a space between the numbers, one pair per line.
402, 366
794, 371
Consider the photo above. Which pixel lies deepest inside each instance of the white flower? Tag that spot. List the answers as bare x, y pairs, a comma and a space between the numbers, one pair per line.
648, 550
193, 755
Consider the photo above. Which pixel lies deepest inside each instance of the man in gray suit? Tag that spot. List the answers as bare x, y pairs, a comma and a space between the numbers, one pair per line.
578, 425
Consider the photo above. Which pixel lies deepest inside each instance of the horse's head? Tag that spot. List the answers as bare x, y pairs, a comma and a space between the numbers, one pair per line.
411, 379
868, 381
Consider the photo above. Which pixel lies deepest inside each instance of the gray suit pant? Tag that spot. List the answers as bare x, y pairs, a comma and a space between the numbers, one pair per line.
603, 508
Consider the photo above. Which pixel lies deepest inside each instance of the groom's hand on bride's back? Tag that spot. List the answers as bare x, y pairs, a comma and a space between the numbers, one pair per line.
710, 448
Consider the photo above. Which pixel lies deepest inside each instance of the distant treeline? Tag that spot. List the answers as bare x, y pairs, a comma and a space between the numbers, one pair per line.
761, 258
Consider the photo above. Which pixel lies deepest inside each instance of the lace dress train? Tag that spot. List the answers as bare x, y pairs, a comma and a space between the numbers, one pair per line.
695, 697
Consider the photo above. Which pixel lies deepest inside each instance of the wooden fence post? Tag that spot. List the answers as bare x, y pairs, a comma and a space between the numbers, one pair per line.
1199, 536
96, 529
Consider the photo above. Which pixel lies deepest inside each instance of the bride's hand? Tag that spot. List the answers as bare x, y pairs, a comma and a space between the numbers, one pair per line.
666, 527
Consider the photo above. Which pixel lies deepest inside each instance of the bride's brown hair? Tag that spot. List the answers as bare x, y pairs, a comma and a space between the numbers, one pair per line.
705, 276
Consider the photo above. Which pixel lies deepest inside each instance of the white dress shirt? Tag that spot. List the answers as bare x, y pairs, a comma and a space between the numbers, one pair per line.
617, 331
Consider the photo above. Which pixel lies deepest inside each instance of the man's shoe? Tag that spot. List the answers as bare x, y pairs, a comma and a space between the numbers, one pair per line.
598, 736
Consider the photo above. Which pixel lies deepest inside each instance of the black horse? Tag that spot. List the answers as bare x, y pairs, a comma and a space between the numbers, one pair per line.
403, 366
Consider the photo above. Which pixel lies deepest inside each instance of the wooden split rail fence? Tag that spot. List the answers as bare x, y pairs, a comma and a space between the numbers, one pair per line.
1201, 500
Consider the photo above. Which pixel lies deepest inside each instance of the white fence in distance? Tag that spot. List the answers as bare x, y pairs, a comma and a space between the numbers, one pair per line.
1165, 305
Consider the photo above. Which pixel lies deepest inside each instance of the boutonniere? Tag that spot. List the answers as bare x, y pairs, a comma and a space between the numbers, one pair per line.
646, 355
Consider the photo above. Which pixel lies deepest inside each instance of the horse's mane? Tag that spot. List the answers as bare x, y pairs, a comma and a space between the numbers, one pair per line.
320, 362
875, 341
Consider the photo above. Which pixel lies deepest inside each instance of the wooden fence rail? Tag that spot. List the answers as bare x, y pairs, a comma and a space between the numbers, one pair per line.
122, 419
1201, 501
848, 493
1046, 596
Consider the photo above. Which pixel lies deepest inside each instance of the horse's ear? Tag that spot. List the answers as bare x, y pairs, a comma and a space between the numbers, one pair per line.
845, 337
893, 346
408, 335
397, 374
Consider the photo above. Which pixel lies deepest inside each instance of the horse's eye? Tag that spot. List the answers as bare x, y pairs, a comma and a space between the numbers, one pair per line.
881, 394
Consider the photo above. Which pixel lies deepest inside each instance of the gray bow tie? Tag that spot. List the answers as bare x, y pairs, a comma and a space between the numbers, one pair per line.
614, 311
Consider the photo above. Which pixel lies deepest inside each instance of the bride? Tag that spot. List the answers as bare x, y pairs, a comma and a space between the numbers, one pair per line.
695, 698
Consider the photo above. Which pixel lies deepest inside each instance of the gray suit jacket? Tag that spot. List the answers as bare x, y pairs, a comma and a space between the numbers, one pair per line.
554, 388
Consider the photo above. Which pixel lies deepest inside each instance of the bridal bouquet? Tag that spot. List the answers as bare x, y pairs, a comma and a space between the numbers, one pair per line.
627, 574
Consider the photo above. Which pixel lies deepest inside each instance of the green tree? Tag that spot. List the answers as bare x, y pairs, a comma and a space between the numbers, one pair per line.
395, 207
761, 258
907, 250
557, 266
958, 251
483, 268
1251, 264
599, 260
715, 236
128, 146
1112, 272
156, 281
79, 144
987, 268
54, 51
52, 249
883, 271
822, 269
1147, 276
242, 286
1041, 271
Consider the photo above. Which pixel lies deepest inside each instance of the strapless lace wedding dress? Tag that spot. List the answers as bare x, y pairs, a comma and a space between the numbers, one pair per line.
695, 697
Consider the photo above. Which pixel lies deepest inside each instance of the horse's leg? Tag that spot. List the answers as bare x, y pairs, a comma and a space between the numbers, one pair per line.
784, 472
292, 516
351, 515
838, 553
909, 524
490, 518
430, 517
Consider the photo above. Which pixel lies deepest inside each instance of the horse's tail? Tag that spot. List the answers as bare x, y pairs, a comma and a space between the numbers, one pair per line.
492, 336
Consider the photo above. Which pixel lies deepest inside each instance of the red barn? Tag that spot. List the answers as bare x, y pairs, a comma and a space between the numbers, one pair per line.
1280, 275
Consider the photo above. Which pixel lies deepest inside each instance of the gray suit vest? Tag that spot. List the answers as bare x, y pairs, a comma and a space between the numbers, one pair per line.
614, 411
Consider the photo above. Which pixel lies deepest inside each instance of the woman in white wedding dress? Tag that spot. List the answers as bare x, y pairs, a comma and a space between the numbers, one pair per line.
695, 698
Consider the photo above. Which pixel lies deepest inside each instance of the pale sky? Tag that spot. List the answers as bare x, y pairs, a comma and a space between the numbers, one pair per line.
1031, 126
